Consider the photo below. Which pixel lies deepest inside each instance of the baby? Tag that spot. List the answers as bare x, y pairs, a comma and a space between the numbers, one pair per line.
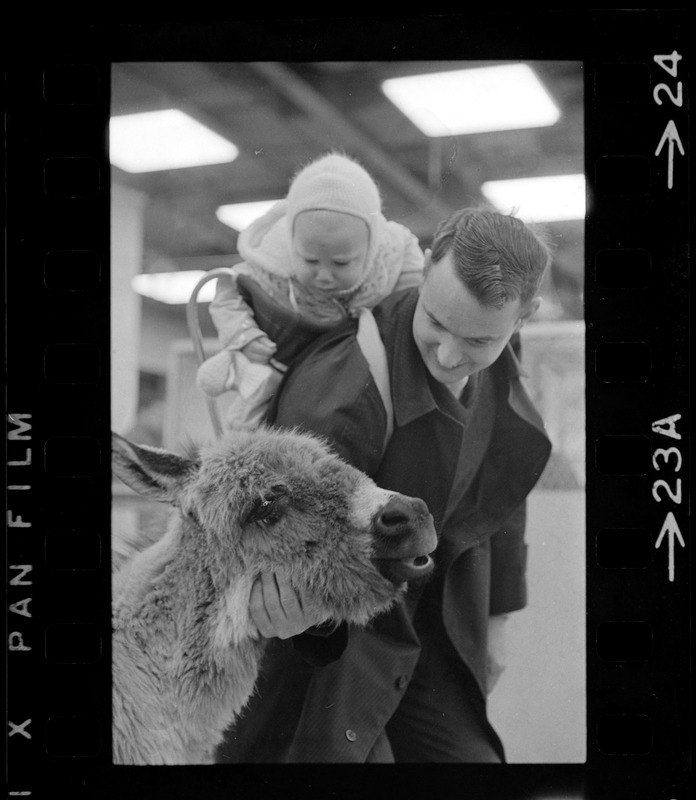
322, 254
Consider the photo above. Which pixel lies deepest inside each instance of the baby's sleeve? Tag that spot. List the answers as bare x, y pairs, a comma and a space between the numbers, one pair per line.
231, 314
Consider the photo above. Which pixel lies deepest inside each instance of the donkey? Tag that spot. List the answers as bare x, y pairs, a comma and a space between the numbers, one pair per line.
185, 650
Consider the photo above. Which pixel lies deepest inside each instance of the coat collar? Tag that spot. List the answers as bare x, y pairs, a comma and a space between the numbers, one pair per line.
414, 390
412, 393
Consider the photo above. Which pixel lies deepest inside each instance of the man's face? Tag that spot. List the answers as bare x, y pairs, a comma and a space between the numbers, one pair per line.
456, 335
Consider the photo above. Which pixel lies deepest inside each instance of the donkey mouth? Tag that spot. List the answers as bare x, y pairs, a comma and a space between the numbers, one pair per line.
398, 570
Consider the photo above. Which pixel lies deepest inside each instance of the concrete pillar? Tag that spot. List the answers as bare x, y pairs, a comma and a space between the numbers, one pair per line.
127, 210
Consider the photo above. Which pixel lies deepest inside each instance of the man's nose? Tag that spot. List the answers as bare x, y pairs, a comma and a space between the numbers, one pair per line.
449, 353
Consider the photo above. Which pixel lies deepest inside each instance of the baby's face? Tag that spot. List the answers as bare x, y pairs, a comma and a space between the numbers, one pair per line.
329, 249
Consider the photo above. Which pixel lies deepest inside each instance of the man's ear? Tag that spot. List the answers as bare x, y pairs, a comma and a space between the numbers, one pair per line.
427, 263
150, 471
528, 312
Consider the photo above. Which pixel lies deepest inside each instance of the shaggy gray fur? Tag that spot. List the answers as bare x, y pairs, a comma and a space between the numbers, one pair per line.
185, 650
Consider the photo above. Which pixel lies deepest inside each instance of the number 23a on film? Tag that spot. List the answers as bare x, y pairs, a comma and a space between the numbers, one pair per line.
663, 459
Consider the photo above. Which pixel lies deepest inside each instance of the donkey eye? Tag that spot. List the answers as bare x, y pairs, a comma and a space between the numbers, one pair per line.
267, 510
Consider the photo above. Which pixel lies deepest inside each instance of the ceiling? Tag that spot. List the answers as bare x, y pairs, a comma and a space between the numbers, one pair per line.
281, 115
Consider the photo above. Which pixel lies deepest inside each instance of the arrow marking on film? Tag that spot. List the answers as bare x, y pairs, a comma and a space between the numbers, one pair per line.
670, 529
670, 136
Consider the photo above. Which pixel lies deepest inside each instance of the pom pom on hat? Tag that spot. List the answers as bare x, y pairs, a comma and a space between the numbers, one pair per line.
336, 183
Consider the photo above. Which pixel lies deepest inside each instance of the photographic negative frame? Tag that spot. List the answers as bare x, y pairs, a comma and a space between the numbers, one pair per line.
635, 67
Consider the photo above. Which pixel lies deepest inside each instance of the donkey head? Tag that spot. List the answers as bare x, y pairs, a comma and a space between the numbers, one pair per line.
267, 499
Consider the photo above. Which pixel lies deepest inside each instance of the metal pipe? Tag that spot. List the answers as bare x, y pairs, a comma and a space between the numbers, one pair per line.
197, 337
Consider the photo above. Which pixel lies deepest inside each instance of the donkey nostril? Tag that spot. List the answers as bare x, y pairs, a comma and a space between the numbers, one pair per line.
393, 517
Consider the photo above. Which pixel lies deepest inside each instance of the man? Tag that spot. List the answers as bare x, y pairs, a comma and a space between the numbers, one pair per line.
412, 686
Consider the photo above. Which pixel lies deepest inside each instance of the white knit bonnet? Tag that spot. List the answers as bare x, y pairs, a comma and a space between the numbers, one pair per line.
337, 183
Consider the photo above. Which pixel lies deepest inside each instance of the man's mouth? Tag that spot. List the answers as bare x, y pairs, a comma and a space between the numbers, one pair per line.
451, 370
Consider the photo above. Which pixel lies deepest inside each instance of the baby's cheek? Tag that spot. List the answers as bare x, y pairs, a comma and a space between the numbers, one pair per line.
302, 272
348, 276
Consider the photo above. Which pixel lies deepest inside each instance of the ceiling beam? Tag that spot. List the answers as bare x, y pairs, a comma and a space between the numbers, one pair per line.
316, 106
180, 231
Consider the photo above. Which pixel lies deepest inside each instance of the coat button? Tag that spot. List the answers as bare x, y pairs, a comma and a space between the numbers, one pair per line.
351, 735
402, 682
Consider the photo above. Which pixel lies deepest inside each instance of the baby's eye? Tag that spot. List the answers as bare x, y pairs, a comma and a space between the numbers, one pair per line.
479, 342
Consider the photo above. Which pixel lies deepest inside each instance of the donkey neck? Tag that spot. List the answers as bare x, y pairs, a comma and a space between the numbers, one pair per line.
181, 586
198, 642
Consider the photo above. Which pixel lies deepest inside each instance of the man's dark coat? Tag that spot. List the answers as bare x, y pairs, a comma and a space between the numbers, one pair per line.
308, 712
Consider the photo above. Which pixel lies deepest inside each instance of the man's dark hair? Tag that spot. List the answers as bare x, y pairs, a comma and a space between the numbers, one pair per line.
497, 257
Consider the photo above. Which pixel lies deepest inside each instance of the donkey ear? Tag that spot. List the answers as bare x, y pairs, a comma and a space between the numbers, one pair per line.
150, 471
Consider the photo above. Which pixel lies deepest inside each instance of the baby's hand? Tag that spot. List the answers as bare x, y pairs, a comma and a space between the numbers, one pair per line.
260, 350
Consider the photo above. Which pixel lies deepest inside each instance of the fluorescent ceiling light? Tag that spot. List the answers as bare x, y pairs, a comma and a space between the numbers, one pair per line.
168, 139
174, 288
548, 199
241, 215
498, 98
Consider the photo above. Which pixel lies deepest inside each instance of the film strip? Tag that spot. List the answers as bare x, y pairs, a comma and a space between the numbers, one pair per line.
637, 80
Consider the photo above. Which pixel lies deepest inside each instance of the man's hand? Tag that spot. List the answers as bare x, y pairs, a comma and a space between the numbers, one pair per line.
496, 659
277, 610
260, 350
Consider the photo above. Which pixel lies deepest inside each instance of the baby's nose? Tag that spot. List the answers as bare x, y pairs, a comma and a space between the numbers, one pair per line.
324, 274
